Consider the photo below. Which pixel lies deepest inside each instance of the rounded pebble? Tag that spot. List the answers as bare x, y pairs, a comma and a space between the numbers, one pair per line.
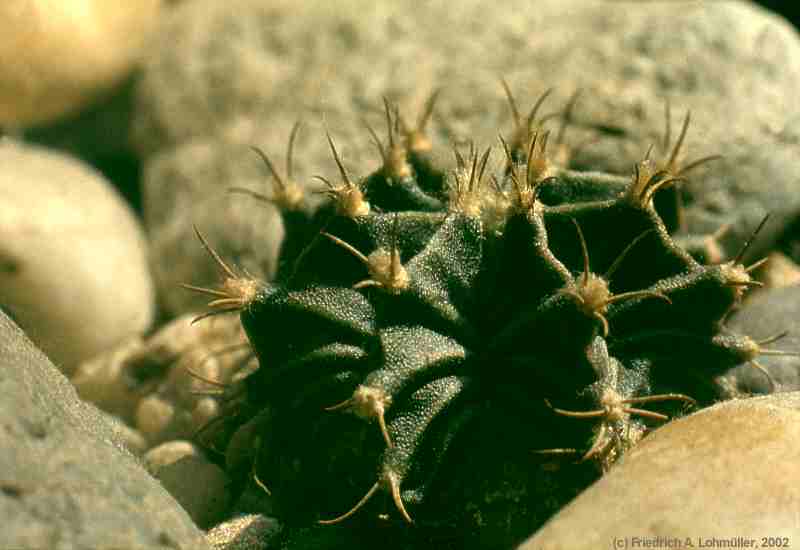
200, 486
204, 411
73, 258
57, 56
104, 381
154, 417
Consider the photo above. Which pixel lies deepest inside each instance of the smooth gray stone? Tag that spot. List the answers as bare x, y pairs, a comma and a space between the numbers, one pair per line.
769, 313
66, 479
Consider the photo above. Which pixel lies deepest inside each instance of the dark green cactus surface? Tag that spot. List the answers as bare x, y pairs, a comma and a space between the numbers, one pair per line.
447, 357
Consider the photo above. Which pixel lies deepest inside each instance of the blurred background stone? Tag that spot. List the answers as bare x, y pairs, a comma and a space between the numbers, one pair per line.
58, 55
199, 485
168, 385
769, 313
74, 263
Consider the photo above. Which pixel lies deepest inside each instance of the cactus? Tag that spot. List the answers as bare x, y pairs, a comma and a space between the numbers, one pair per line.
442, 339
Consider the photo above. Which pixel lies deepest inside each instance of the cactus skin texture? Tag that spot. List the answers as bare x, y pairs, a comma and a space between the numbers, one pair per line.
449, 358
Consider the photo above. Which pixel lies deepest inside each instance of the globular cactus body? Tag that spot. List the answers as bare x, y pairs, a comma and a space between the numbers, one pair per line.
420, 323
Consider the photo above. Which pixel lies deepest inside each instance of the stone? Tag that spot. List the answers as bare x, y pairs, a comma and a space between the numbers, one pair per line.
199, 485
167, 453
246, 532
750, 182
67, 480
204, 411
76, 279
59, 56
720, 473
167, 385
157, 420
768, 313
105, 380
130, 437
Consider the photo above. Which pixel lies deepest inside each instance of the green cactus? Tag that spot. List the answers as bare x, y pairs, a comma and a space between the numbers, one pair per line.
437, 339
